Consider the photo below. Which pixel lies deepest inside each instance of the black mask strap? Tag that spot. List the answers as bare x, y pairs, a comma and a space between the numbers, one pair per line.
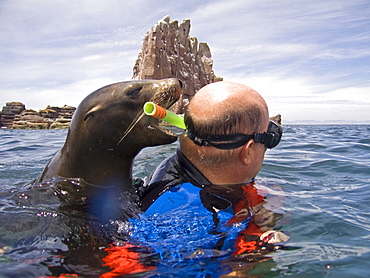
271, 138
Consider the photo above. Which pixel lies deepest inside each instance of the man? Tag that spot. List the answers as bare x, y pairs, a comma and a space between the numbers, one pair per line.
228, 132
224, 144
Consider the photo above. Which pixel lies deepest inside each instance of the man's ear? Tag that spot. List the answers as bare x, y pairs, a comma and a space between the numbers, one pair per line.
245, 153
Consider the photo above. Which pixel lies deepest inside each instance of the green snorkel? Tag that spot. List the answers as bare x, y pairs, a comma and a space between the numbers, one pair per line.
156, 111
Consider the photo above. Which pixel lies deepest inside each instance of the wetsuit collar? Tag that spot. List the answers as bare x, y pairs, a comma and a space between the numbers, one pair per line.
190, 171
194, 175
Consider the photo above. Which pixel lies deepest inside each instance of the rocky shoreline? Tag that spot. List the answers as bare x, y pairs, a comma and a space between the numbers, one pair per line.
14, 115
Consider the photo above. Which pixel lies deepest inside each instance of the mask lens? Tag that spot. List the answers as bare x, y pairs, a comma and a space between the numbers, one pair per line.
275, 131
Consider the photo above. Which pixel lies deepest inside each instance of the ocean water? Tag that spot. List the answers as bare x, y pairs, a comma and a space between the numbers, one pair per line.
320, 176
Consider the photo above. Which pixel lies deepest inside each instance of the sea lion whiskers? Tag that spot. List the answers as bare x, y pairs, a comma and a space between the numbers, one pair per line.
138, 117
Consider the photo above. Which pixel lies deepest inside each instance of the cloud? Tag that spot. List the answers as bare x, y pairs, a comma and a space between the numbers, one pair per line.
300, 99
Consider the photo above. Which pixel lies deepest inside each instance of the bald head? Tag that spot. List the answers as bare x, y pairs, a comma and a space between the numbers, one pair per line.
226, 108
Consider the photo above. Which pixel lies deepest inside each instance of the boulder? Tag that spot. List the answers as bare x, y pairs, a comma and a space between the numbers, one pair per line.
276, 118
30, 119
9, 111
60, 123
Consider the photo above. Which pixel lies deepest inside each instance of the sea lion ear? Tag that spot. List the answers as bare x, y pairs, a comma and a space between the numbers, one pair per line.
91, 112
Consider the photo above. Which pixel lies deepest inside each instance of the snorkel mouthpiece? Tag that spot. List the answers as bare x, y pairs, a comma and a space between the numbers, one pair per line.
156, 111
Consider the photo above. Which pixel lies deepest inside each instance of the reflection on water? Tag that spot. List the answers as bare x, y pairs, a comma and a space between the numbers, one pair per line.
317, 178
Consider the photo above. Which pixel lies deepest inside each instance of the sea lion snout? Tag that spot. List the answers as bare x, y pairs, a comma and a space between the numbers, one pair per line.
166, 91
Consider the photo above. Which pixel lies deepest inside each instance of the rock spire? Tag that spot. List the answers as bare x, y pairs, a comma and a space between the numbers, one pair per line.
169, 51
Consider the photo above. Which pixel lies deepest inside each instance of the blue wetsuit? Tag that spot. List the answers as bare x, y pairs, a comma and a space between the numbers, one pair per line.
177, 186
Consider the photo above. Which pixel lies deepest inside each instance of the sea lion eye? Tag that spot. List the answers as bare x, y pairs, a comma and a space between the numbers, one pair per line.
91, 112
88, 115
134, 93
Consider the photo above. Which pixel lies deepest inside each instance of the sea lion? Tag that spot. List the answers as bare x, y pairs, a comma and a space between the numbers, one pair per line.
93, 151
78, 206
107, 131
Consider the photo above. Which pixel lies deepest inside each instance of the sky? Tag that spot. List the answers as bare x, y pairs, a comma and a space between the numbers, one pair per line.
309, 59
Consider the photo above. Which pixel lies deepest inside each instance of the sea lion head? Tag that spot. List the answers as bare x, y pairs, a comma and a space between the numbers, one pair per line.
108, 114
109, 128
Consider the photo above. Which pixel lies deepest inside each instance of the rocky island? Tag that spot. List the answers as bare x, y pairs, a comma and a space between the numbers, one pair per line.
14, 115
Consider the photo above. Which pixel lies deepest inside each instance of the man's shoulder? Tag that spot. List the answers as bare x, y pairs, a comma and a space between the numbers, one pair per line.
163, 178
